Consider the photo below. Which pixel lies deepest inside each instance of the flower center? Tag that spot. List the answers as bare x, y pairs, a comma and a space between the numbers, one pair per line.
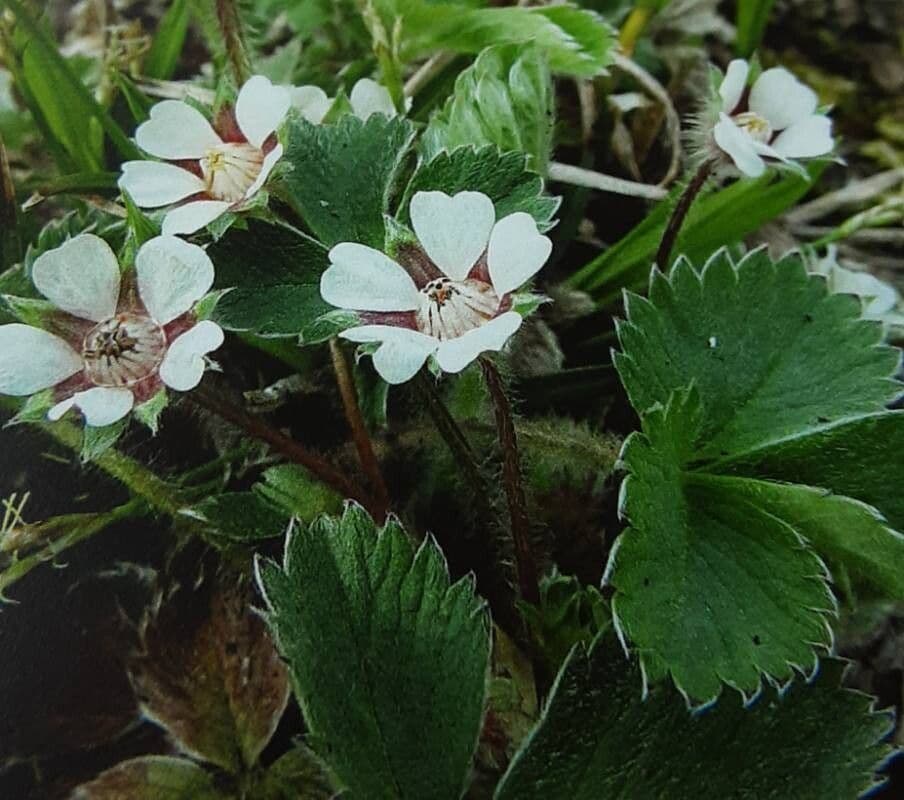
123, 350
449, 309
756, 127
229, 170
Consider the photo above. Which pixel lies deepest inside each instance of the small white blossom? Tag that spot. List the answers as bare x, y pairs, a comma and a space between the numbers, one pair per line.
449, 298
774, 121
880, 300
117, 339
367, 97
207, 169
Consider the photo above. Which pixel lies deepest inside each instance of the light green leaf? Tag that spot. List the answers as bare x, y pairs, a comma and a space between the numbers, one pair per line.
503, 177
148, 413
96, 441
273, 276
389, 660
752, 16
343, 175
599, 738
152, 778
504, 98
163, 57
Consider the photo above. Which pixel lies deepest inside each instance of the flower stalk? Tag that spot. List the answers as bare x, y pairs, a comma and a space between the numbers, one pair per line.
676, 220
358, 428
231, 26
528, 580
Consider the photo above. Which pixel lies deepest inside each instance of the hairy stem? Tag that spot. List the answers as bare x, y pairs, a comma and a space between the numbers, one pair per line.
231, 27
286, 446
528, 580
679, 213
358, 428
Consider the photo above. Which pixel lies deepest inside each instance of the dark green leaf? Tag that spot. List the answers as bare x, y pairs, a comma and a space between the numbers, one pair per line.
389, 660
240, 517
297, 775
600, 739
291, 489
343, 175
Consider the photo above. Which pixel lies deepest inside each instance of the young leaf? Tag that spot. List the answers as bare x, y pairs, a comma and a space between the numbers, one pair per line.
273, 274
715, 579
209, 674
343, 175
388, 659
297, 775
503, 177
152, 778
504, 98
599, 738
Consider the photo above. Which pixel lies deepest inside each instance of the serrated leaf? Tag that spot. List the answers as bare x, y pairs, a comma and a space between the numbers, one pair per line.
152, 778
272, 274
240, 517
504, 98
389, 660
343, 175
208, 673
503, 177
290, 489
717, 579
599, 738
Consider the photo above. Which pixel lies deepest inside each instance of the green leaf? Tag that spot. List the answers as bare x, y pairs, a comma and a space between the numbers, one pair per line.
240, 517
503, 177
163, 57
575, 41
148, 413
504, 98
710, 587
716, 219
599, 738
291, 489
297, 775
343, 175
97, 441
772, 352
207, 671
718, 577
152, 778
389, 660
273, 276
752, 16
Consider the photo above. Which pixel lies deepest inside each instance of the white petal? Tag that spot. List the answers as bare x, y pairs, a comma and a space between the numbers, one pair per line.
733, 84
738, 146
172, 276
32, 359
453, 230
781, 99
455, 354
364, 279
60, 409
805, 139
260, 109
152, 184
191, 217
176, 130
80, 277
516, 253
369, 97
311, 101
879, 297
183, 366
100, 406
402, 352
266, 168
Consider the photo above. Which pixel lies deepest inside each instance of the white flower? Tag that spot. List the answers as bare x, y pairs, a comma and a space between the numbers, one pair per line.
450, 298
207, 171
775, 120
118, 338
367, 97
880, 300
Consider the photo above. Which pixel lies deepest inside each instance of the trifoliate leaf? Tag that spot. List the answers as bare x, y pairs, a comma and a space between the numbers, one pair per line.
388, 659
272, 274
599, 738
152, 778
343, 175
710, 586
503, 177
732, 493
504, 98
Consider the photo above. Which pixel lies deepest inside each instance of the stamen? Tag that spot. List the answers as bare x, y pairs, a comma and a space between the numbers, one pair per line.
123, 350
450, 309
230, 169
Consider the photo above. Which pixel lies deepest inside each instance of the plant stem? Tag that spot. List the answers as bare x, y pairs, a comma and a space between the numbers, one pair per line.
286, 446
633, 28
673, 228
578, 176
528, 579
358, 428
10, 246
231, 26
